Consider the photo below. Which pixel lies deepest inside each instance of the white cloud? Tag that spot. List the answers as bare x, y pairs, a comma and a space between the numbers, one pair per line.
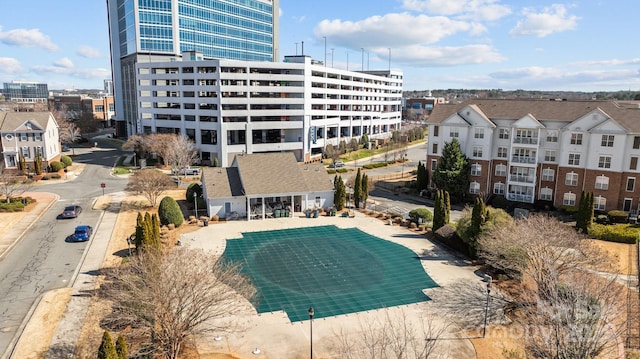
10, 65
556, 77
612, 62
27, 38
64, 62
88, 52
425, 56
392, 30
478, 10
551, 20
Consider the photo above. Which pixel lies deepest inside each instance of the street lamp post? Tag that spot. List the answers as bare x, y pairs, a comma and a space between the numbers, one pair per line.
486, 308
311, 312
195, 202
404, 156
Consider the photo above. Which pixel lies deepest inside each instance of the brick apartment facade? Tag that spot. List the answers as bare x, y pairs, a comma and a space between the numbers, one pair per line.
541, 150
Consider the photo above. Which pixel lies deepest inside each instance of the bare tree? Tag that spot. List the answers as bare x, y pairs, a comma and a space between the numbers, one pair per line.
151, 183
12, 185
569, 309
395, 336
182, 152
170, 297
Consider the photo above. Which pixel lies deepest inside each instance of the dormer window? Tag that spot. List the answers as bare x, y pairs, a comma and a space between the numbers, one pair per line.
28, 126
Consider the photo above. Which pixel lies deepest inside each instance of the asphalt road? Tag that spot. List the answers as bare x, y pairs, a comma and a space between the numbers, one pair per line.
43, 260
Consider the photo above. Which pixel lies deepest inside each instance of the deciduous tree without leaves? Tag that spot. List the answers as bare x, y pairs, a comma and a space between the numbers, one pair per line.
151, 183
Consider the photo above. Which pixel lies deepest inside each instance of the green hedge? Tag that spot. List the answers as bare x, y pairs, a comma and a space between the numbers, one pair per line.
617, 216
620, 233
56, 166
15, 204
66, 160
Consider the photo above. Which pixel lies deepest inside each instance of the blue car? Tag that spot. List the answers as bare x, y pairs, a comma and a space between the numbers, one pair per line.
82, 234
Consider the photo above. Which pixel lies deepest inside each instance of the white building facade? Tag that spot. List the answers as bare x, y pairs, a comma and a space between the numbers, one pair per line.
231, 107
548, 151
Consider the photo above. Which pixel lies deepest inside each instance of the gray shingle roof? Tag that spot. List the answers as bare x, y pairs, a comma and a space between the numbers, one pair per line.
11, 121
542, 110
266, 174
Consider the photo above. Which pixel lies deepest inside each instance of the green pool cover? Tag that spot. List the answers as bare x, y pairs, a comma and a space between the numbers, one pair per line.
335, 271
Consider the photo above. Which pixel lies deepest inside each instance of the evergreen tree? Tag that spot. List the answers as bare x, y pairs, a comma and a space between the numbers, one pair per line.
580, 214
37, 163
365, 189
453, 172
139, 231
339, 194
590, 210
446, 207
477, 218
422, 177
155, 224
169, 212
22, 164
357, 189
121, 347
107, 349
438, 213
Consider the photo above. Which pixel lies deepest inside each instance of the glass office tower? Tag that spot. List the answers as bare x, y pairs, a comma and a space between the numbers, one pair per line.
157, 30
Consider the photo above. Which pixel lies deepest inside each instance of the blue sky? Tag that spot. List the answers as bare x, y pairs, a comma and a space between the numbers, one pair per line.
582, 45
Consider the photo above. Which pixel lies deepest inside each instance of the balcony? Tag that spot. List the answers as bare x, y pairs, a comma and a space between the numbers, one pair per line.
518, 197
524, 159
526, 140
522, 179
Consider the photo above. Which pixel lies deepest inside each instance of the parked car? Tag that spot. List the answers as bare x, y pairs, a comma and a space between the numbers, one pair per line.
65, 148
187, 171
72, 211
336, 164
82, 233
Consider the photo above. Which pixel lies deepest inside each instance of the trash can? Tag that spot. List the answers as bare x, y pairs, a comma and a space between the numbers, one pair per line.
205, 222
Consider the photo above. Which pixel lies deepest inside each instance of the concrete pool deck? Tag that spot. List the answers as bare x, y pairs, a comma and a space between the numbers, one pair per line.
276, 337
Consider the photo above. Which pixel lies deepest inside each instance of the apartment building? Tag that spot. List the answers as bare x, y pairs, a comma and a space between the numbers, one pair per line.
230, 107
27, 134
99, 106
149, 31
542, 150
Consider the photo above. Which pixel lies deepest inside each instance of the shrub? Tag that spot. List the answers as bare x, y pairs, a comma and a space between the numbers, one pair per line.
421, 215
620, 233
617, 216
56, 166
66, 160
169, 212
569, 209
194, 188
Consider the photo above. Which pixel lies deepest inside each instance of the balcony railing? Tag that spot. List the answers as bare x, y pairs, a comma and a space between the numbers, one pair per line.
523, 159
528, 198
526, 140
523, 179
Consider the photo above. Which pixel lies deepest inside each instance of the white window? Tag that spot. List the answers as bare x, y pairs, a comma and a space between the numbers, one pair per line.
574, 159
474, 188
24, 137
631, 184
569, 199
454, 132
37, 136
498, 188
604, 162
476, 169
502, 152
434, 163
576, 138
478, 133
607, 141
571, 179
599, 203
552, 136
25, 152
546, 194
602, 182
550, 156
501, 170
477, 151
503, 134
548, 174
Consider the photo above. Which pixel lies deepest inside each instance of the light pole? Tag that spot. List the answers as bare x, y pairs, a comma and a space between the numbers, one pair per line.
135, 160
486, 308
195, 202
311, 312
403, 158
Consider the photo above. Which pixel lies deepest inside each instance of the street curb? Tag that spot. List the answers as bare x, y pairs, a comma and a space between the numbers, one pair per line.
13, 344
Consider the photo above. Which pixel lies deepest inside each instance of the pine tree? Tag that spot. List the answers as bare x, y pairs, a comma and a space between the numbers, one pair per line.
339, 194
477, 217
121, 347
139, 231
22, 164
447, 207
357, 189
155, 224
148, 231
365, 188
107, 349
438, 213
37, 163
453, 172
580, 214
422, 177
